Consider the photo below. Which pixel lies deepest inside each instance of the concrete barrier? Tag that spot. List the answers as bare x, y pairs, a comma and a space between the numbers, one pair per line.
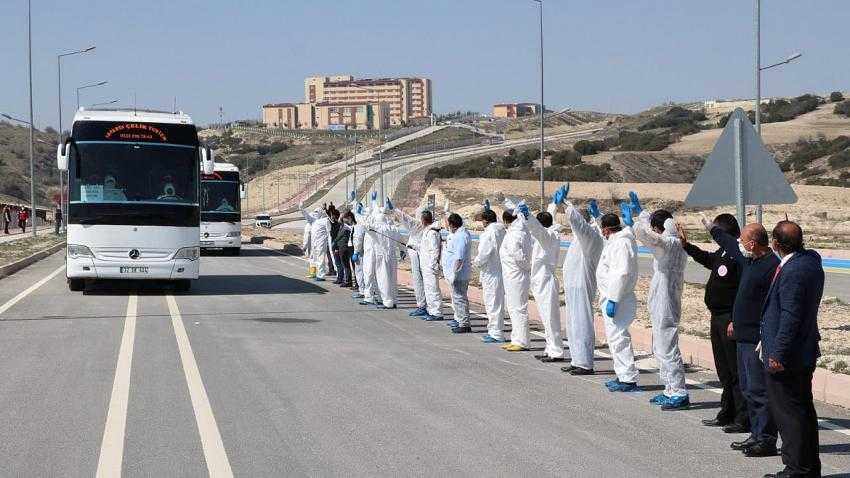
10, 269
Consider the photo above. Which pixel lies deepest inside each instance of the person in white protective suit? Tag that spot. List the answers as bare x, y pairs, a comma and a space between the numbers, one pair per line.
579, 273
319, 240
305, 246
546, 235
457, 269
515, 255
370, 283
388, 245
490, 268
358, 236
657, 231
414, 227
429, 260
616, 277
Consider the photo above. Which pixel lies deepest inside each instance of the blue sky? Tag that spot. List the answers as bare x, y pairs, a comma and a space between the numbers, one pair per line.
608, 55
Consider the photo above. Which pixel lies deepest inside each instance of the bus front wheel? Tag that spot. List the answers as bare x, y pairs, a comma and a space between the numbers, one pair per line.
76, 285
183, 285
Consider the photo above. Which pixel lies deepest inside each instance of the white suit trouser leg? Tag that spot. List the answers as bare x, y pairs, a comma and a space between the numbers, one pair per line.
516, 300
494, 304
358, 276
369, 282
665, 346
620, 340
416, 274
320, 260
547, 298
581, 333
431, 290
386, 271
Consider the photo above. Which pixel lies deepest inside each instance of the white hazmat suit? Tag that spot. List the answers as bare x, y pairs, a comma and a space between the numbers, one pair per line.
579, 272
414, 238
544, 280
429, 260
320, 232
616, 277
370, 285
387, 241
490, 268
358, 236
665, 300
515, 255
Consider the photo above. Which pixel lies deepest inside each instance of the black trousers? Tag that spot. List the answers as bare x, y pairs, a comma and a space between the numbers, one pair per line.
733, 407
345, 264
6, 226
789, 396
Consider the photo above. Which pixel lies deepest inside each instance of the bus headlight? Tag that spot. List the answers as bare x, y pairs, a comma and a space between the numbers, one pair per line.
75, 251
234, 234
188, 253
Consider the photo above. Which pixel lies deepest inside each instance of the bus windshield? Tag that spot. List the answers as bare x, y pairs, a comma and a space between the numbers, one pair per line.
126, 172
219, 196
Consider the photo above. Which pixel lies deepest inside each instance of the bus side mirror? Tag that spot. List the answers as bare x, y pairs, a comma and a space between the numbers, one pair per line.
207, 160
63, 152
242, 193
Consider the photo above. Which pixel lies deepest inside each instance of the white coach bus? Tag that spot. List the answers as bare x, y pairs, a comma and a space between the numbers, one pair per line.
133, 208
221, 213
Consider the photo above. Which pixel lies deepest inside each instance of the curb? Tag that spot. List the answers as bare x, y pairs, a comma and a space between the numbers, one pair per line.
827, 386
9, 269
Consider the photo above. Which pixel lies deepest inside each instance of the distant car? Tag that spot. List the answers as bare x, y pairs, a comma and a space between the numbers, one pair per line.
263, 220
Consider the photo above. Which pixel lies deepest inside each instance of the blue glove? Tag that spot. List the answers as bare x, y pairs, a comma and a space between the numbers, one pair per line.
626, 210
522, 208
593, 209
374, 195
566, 189
351, 196
486, 204
558, 197
611, 309
389, 204
359, 208
635, 203
355, 258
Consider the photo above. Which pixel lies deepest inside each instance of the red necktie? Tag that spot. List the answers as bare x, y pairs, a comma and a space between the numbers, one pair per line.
776, 274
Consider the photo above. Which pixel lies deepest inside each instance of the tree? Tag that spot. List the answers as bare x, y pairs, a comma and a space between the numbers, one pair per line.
842, 108
836, 96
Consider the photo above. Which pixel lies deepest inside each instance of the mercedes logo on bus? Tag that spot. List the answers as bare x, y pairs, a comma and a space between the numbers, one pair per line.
206, 234
134, 254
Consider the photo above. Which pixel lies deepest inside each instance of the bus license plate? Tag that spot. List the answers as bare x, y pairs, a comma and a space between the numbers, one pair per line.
134, 270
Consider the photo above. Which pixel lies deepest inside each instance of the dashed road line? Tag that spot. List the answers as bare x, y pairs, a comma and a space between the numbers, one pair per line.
112, 446
29, 290
218, 464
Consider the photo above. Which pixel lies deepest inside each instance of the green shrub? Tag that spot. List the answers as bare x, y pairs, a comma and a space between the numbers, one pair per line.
567, 157
836, 96
812, 172
680, 120
840, 160
585, 147
842, 108
648, 141
784, 110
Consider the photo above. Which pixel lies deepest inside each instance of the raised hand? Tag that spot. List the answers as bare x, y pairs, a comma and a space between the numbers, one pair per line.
626, 211
593, 209
635, 202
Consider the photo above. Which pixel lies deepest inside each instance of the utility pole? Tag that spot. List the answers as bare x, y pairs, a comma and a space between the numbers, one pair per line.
759, 209
32, 127
542, 109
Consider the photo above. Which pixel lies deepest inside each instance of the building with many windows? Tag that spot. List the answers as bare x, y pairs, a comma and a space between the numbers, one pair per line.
407, 98
514, 110
280, 115
352, 116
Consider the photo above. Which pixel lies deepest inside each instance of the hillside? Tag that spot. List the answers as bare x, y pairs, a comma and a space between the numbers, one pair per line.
15, 166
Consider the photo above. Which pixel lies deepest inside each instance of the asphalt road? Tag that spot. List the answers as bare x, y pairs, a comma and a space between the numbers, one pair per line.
257, 372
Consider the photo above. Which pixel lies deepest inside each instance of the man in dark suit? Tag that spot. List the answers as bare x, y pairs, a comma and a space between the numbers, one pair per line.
789, 338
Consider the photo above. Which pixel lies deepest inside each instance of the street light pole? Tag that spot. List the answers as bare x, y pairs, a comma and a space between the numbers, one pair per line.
32, 139
542, 109
61, 138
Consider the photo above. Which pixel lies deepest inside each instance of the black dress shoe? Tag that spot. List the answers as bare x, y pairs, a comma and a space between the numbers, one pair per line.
573, 370
761, 450
735, 428
552, 359
742, 445
541, 356
714, 422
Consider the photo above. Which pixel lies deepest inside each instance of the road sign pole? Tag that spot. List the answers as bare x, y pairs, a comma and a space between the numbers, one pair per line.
758, 85
740, 205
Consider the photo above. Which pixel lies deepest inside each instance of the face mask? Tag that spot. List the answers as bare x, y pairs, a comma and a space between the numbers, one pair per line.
744, 251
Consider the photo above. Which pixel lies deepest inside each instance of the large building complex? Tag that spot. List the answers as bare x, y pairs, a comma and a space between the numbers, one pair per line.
342, 102
514, 110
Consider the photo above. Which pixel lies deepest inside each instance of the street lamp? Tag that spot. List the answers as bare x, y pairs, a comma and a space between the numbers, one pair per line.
90, 85
758, 70
32, 165
59, 102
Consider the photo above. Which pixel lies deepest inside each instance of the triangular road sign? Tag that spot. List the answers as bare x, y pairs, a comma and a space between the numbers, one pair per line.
761, 182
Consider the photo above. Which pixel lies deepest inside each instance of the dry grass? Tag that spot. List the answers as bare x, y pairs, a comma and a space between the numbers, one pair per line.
20, 248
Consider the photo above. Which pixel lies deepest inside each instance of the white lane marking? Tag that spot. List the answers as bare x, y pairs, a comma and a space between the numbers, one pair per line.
216, 457
112, 446
836, 428
30, 290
